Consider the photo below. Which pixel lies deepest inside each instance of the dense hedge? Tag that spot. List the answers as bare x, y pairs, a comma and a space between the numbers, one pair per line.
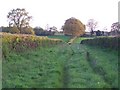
106, 42
22, 42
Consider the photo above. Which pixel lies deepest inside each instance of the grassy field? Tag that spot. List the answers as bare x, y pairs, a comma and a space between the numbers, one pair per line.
62, 66
64, 38
79, 39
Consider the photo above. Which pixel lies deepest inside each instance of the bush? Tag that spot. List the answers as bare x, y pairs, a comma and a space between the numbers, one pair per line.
38, 30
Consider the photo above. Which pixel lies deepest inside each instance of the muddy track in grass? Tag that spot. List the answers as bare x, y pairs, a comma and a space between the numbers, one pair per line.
65, 75
96, 68
66, 72
76, 49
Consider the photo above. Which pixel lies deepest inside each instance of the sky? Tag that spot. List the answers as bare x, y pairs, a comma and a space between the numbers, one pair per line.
55, 12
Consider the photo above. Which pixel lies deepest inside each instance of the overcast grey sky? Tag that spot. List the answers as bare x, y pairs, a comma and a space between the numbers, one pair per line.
55, 12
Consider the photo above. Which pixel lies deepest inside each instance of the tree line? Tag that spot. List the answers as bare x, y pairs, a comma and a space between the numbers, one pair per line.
34, 31
19, 20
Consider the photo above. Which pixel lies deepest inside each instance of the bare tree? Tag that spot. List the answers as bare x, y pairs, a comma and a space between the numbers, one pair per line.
115, 28
19, 18
92, 24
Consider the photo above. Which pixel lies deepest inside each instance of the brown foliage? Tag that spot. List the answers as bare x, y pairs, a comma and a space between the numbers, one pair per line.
73, 27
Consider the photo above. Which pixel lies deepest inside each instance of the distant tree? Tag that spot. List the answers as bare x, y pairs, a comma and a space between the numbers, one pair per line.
115, 28
38, 30
74, 27
102, 33
5, 29
19, 18
41, 32
92, 24
53, 28
98, 33
28, 30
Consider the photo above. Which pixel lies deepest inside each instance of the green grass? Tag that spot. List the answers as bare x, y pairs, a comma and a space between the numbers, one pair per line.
60, 66
64, 38
108, 60
78, 40
32, 69
37, 69
81, 75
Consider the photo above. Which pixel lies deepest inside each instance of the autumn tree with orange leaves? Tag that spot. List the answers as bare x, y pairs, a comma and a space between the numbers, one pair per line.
73, 27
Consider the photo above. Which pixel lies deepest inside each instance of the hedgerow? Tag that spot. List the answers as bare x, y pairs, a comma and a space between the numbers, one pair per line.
22, 42
104, 42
